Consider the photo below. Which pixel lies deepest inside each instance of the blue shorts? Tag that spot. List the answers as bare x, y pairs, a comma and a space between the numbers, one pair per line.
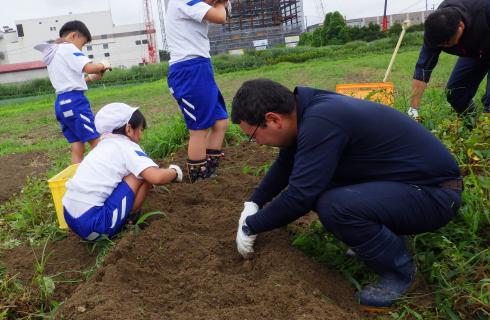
75, 117
192, 84
104, 220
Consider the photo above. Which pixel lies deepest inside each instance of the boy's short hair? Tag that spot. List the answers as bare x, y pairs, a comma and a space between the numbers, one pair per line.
77, 26
441, 26
257, 97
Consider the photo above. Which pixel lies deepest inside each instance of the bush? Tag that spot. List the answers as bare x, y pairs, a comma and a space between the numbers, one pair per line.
223, 64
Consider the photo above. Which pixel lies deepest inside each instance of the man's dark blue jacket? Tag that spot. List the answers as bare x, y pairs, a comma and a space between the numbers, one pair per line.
475, 42
344, 141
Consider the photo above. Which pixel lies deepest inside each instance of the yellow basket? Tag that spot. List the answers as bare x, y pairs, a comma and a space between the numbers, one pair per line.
58, 189
381, 92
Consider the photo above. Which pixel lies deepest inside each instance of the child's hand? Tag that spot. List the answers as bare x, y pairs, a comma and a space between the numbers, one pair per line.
178, 170
106, 64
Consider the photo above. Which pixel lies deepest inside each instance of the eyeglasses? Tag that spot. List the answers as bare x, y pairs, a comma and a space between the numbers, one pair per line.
252, 136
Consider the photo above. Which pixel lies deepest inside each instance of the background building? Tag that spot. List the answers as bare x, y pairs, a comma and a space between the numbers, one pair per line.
258, 24
417, 17
124, 45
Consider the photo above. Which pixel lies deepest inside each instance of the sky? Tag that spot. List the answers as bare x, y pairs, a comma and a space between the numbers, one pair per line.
131, 11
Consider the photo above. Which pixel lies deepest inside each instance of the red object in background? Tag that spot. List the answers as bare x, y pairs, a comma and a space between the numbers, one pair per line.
385, 19
385, 23
23, 66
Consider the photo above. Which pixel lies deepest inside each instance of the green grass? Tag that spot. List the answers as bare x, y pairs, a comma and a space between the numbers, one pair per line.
454, 260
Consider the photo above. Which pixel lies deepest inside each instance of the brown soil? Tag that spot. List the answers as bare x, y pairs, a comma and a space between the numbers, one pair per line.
16, 168
65, 260
185, 265
361, 75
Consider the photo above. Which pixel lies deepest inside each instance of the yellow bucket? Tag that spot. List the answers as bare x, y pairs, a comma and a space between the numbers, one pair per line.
381, 92
58, 189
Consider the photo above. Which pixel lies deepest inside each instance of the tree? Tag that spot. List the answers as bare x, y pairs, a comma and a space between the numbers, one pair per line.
318, 38
333, 30
305, 39
395, 30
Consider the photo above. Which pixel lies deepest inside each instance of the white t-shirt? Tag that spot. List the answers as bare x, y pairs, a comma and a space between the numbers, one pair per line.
114, 157
65, 68
186, 31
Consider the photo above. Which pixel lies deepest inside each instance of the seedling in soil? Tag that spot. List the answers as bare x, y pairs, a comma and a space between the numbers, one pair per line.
141, 221
45, 283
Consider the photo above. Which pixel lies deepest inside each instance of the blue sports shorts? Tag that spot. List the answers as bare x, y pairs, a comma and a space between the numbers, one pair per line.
192, 84
104, 220
75, 117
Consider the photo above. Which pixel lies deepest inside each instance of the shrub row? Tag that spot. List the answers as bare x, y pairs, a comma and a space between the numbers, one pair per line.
223, 64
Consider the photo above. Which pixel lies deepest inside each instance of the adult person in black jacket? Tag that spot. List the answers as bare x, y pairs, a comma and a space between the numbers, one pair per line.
371, 174
462, 28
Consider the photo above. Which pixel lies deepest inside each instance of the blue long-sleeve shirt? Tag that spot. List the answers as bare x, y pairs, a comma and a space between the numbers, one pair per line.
343, 141
474, 43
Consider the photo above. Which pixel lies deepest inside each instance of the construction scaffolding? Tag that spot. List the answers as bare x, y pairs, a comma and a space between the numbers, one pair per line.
257, 24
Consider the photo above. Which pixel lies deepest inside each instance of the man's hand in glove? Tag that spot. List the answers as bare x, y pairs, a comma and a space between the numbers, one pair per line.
245, 241
414, 114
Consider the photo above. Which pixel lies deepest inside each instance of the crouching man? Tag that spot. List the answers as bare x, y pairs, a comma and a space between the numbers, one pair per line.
370, 173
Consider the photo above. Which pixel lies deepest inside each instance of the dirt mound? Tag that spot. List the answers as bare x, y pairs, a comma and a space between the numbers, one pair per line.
185, 266
15, 168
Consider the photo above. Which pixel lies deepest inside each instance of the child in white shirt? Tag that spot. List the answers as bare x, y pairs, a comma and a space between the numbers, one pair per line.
191, 81
66, 67
114, 178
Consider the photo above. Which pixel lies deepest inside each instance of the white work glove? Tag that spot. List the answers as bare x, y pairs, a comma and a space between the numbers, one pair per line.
178, 170
106, 64
245, 243
414, 114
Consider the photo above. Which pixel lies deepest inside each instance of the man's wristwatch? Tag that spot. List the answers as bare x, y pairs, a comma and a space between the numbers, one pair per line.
246, 230
176, 174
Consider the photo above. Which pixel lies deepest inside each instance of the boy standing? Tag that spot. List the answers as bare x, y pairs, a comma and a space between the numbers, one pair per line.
191, 81
66, 67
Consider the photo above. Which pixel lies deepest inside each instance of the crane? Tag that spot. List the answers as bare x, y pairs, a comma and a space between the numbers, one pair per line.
320, 8
162, 25
150, 33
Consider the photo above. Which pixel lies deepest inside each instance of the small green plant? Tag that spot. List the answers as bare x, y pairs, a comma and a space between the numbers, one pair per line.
256, 171
142, 220
44, 283
246, 169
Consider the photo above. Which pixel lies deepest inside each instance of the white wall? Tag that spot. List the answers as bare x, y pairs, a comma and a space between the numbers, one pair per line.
21, 76
122, 48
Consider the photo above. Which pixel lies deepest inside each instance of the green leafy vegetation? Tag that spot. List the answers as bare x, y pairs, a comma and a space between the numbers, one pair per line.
335, 31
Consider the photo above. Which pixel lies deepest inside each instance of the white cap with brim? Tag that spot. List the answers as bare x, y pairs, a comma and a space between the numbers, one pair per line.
113, 116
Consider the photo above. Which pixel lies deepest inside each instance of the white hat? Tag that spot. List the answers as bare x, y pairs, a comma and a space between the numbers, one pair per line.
113, 116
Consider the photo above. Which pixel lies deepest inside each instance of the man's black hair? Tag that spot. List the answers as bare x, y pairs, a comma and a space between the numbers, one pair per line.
257, 97
441, 26
77, 26
137, 121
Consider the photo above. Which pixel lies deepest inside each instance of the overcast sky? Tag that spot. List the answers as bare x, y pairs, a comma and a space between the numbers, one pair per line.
130, 11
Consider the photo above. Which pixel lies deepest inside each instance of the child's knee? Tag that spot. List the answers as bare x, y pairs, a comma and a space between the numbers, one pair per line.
221, 125
78, 148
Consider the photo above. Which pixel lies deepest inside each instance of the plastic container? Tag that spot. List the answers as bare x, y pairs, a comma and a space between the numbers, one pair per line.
58, 189
381, 92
